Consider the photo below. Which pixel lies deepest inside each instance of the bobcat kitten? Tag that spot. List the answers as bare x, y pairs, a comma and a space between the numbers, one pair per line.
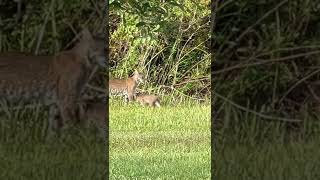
94, 113
151, 100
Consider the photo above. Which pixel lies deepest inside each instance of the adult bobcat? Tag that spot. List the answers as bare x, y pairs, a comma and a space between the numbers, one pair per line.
145, 99
55, 81
126, 87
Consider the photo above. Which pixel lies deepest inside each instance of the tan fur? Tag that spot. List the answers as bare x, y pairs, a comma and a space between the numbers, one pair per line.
53, 80
151, 100
126, 86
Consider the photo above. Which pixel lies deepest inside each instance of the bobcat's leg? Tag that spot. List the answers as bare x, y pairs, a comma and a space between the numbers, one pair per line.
69, 90
126, 98
130, 97
53, 118
82, 117
143, 103
68, 113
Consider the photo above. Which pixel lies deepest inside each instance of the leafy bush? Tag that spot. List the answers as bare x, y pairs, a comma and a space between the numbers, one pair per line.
168, 41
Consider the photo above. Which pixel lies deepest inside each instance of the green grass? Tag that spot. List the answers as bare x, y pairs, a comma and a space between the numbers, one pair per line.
172, 142
248, 147
26, 154
64, 160
295, 161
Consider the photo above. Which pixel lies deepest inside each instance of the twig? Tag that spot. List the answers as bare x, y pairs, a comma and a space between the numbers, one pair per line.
43, 28
192, 80
87, 97
97, 88
94, 70
77, 36
287, 49
313, 93
214, 7
272, 118
172, 88
297, 83
239, 66
255, 24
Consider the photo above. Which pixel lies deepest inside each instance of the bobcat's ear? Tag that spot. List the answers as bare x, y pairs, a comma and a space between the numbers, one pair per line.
136, 72
85, 34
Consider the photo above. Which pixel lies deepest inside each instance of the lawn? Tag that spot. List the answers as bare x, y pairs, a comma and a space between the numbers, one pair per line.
26, 154
247, 147
294, 161
171, 142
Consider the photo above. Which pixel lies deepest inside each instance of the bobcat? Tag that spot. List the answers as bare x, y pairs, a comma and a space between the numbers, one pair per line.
151, 100
94, 113
126, 87
54, 81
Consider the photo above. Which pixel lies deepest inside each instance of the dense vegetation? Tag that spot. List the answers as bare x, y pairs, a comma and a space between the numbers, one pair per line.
47, 27
167, 41
265, 74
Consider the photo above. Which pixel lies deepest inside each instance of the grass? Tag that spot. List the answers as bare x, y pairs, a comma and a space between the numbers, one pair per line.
268, 161
249, 147
172, 142
26, 154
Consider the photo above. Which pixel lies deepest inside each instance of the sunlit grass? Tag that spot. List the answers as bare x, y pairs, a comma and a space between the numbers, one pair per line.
172, 142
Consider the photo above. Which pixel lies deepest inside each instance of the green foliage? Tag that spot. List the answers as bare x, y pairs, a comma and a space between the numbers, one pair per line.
261, 51
59, 21
266, 57
165, 40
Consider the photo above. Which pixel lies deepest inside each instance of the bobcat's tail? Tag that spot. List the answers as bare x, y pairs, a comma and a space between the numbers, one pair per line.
157, 103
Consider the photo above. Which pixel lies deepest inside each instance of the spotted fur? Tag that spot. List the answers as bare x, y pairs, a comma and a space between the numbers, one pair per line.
54, 81
125, 87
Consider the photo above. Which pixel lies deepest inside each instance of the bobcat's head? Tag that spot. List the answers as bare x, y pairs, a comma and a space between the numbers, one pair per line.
96, 47
138, 77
